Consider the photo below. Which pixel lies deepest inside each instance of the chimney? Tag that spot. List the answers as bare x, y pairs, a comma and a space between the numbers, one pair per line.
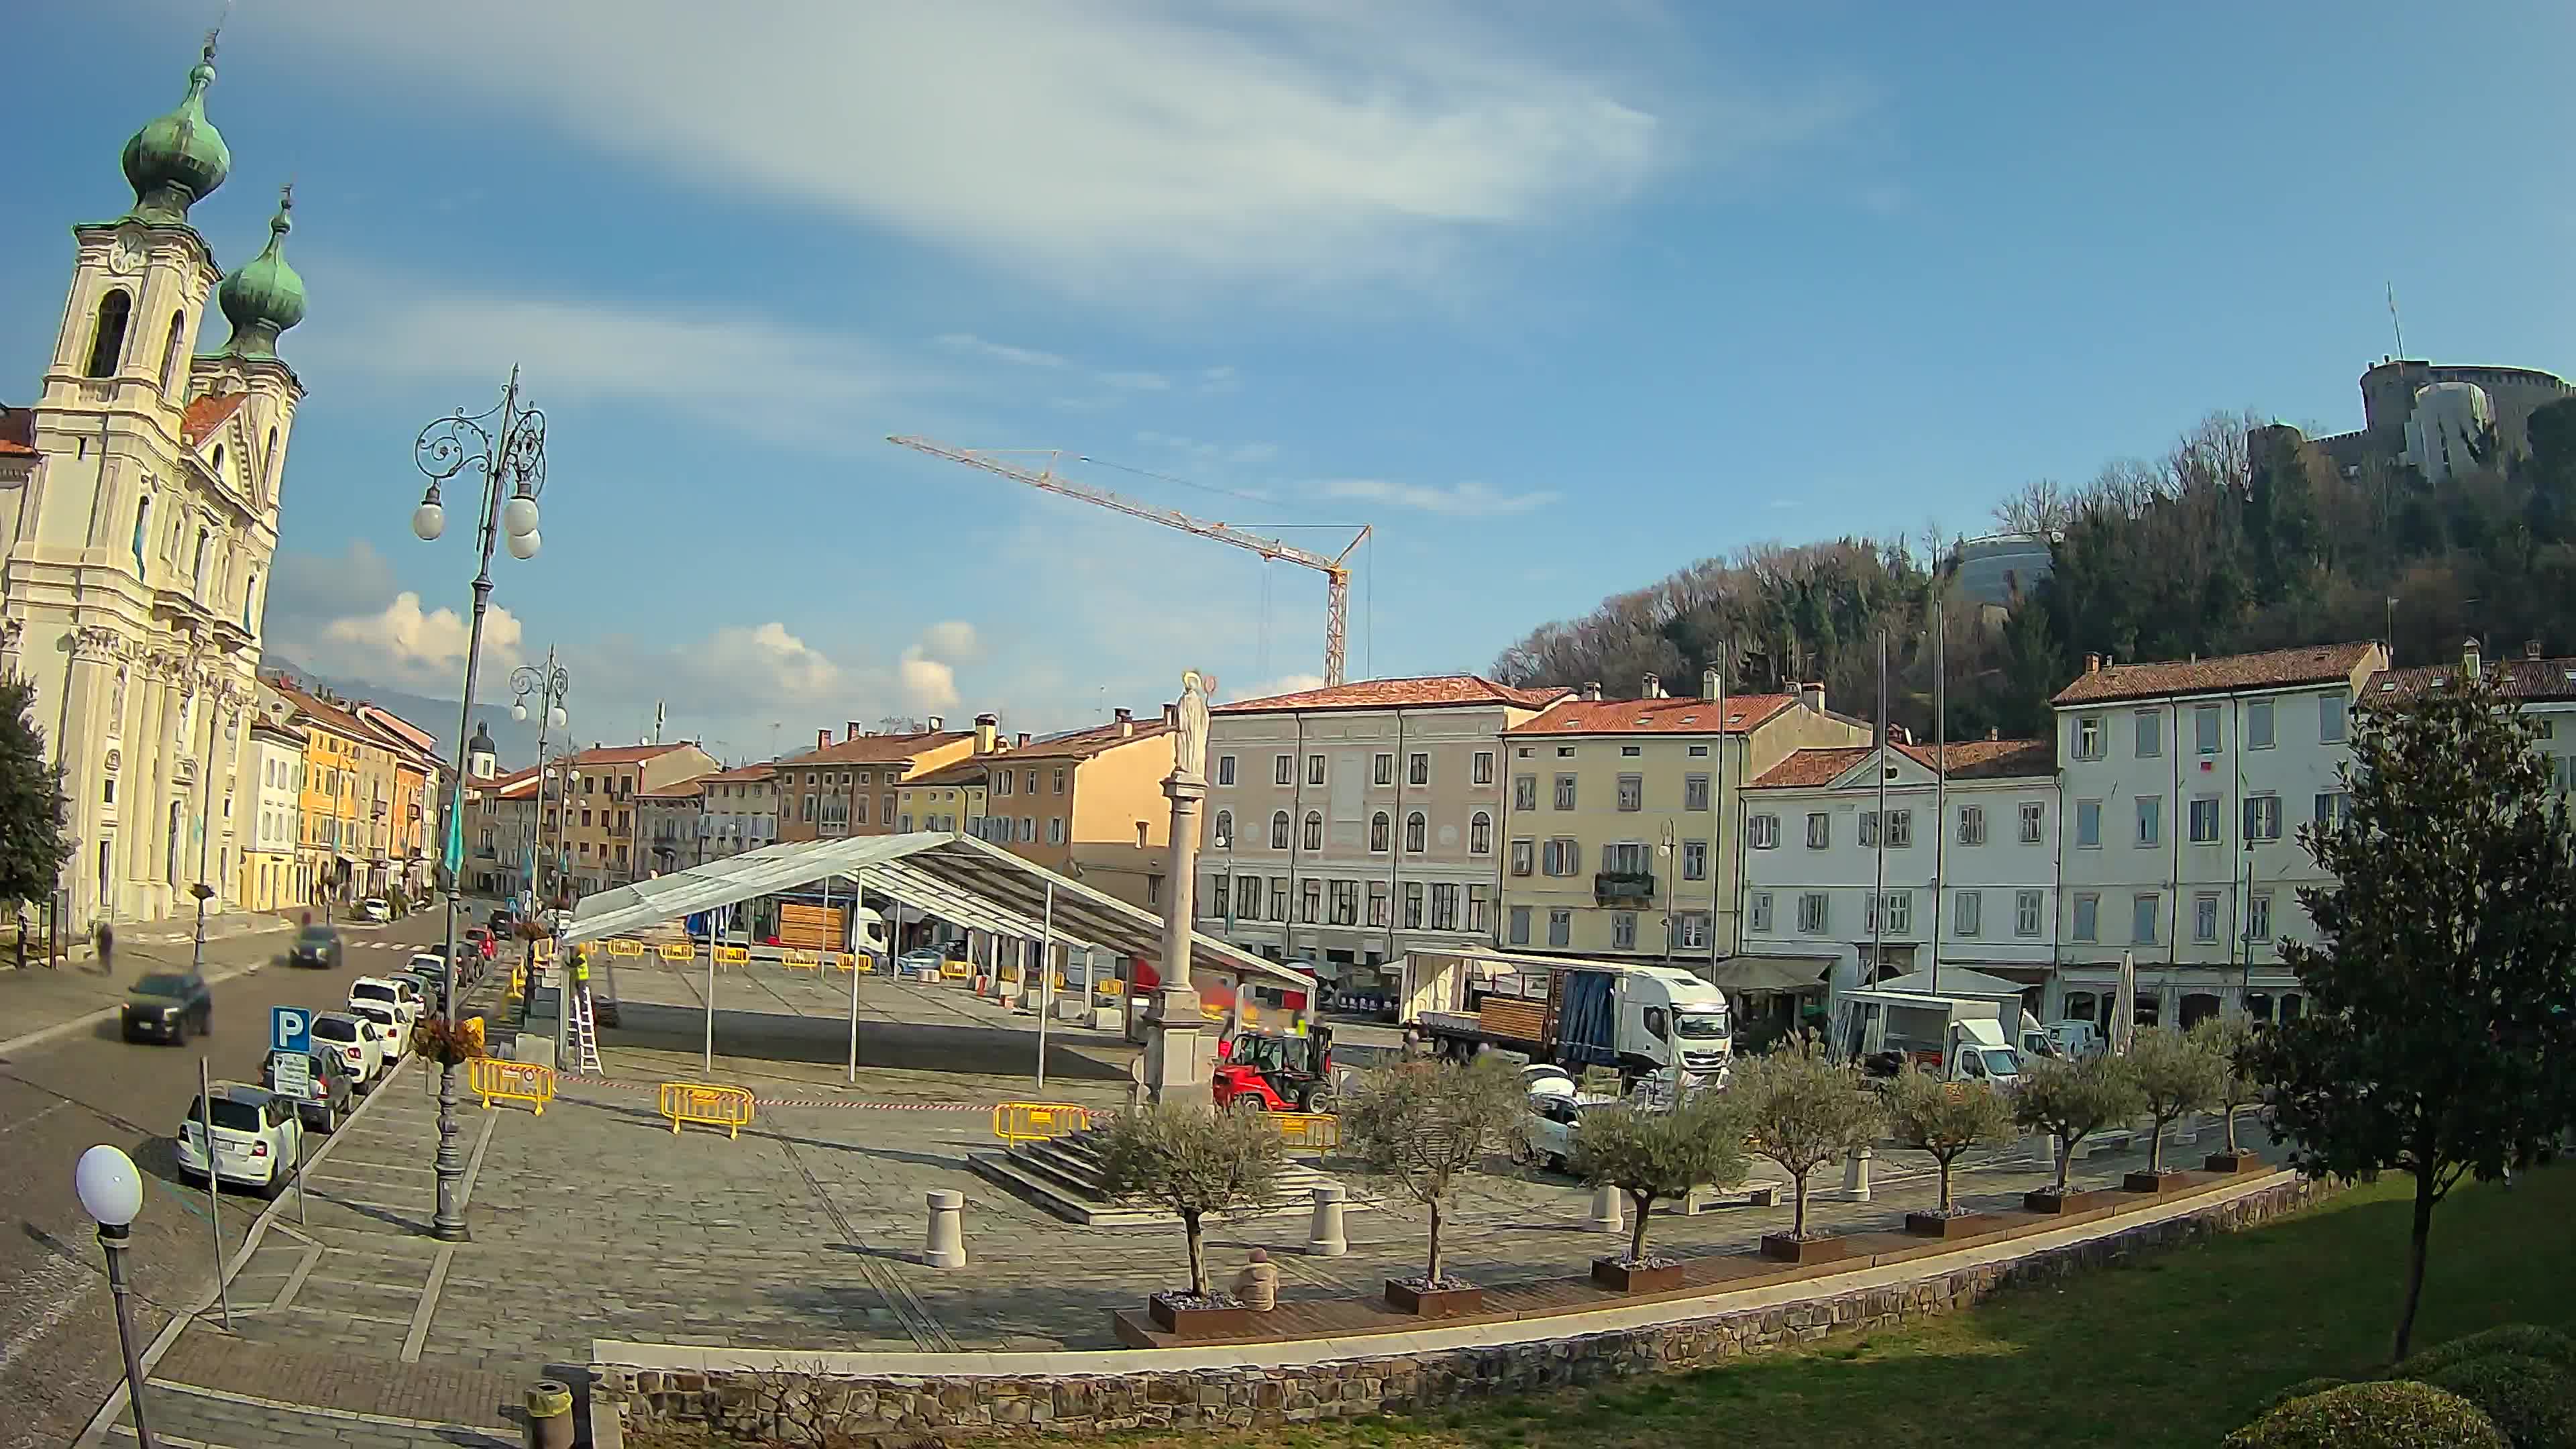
2469, 657
822, 739
2092, 663
988, 729
936, 723
2530, 648
1709, 687
1126, 723
1592, 689
849, 729
1654, 687
1171, 716
1813, 696
1993, 734
1020, 740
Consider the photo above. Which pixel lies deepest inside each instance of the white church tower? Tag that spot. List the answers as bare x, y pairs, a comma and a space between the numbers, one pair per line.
134, 560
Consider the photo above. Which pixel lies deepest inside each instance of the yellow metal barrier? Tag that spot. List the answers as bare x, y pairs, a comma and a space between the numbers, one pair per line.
1037, 1121
1307, 1129
957, 970
679, 951
733, 955
625, 946
542, 949
846, 961
495, 1080
706, 1105
518, 980
797, 958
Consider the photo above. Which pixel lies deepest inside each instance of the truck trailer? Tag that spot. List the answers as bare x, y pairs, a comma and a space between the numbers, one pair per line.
1645, 1020
1958, 1038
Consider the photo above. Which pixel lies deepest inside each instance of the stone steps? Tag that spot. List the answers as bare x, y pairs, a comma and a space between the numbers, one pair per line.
1062, 1175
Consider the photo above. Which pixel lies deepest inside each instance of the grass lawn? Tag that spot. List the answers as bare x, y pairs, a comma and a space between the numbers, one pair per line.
2175, 1350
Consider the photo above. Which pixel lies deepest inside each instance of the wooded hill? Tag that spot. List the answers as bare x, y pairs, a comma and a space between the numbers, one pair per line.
2240, 537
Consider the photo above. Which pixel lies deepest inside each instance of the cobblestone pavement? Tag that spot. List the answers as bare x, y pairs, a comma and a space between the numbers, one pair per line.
595, 1221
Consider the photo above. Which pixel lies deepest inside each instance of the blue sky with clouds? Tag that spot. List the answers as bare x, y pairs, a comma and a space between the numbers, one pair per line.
1555, 297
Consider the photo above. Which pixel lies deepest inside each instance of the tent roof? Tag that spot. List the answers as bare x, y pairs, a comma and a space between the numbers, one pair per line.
954, 877
1955, 981
1769, 973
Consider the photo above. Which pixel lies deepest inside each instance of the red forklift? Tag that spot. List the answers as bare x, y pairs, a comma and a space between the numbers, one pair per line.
1271, 1072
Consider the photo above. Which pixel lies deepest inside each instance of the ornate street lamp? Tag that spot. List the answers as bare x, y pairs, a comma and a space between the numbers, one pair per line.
507, 447
549, 684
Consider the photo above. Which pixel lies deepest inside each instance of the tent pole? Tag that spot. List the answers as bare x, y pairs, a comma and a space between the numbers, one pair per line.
711, 997
1046, 979
893, 932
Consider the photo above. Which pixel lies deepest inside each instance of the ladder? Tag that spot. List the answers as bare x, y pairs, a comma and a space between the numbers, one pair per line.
585, 1032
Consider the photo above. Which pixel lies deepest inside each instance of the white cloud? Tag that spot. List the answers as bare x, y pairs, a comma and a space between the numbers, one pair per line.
998, 351
1103, 143
1284, 684
404, 645
1463, 500
926, 683
954, 641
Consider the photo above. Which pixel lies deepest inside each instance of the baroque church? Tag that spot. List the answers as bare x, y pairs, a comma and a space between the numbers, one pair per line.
138, 516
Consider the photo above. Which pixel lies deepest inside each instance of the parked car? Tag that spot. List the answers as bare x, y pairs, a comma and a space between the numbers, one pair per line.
166, 1006
504, 921
1547, 1129
924, 959
375, 910
329, 1089
2075, 1039
428, 970
396, 994
259, 1138
393, 1034
317, 946
356, 1044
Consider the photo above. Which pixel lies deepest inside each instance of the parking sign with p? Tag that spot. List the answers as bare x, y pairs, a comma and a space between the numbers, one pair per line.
290, 1029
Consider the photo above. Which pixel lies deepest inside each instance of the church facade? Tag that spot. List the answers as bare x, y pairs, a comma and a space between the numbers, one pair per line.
136, 536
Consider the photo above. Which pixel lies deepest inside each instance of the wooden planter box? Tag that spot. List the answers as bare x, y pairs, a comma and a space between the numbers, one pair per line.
2165, 1181
1618, 1277
1433, 1302
2045, 1201
1965, 1225
2234, 1162
1780, 1247
1229, 1321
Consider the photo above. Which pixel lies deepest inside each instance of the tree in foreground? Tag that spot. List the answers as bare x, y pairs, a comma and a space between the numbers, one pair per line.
33, 846
1195, 1162
2176, 1076
2443, 975
1945, 1119
2231, 1040
1426, 1125
1653, 1155
2071, 1101
1802, 1110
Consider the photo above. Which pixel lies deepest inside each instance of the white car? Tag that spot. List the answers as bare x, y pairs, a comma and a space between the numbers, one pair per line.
355, 1042
375, 911
393, 1034
400, 997
259, 1138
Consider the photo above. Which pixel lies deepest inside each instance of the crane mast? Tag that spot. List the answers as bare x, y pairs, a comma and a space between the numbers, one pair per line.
1335, 569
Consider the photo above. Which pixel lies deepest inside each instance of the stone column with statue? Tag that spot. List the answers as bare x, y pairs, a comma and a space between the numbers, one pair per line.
1176, 1062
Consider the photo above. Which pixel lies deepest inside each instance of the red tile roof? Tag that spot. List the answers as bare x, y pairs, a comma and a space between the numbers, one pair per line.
1083, 744
17, 432
875, 749
1676, 715
741, 774
2520, 678
969, 771
1427, 691
330, 716
1968, 759
2271, 669
624, 754
205, 414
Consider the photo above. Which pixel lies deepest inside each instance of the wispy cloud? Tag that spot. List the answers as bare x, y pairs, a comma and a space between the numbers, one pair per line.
1136, 381
1218, 379
998, 351
1240, 454
1460, 500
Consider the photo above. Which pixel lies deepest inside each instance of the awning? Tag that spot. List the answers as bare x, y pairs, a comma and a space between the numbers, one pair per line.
1768, 973
1955, 981
954, 877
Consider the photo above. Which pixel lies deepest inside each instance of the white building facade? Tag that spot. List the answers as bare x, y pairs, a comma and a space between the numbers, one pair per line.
1348, 825
137, 545
274, 762
1963, 872
2183, 787
740, 809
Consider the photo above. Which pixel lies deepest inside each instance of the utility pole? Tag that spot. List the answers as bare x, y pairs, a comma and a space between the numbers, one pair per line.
1940, 784
1878, 826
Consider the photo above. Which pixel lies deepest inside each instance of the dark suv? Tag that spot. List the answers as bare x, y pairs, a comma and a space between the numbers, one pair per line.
167, 1005
317, 946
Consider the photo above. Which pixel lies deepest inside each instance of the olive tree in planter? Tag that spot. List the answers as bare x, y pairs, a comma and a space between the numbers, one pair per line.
2071, 1101
1196, 1163
2176, 1076
1801, 1109
1424, 1126
2231, 1040
1650, 1155
1945, 1119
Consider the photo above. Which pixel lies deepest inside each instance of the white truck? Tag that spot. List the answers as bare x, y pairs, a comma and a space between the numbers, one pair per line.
1959, 1038
1647, 1021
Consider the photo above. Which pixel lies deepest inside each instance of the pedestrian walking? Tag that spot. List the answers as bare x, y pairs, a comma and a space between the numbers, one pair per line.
106, 948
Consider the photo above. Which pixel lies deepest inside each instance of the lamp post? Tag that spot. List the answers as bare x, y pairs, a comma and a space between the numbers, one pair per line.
550, 684
507, 447
111, 1192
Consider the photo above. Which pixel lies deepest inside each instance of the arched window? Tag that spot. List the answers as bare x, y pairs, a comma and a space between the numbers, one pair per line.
1416, 831
1314, 830
2291, 1006
1380, 830
1480, 834
197, 571
219, 461
142, 526
1279, 830
1225, 830
170, 353
107, 340
250, 597
2258, 1005
2079, 1006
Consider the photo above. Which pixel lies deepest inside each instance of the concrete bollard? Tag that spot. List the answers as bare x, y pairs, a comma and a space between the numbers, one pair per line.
1324, 1236
1856, 1175
550, 1415
1609, 1210
945, 1246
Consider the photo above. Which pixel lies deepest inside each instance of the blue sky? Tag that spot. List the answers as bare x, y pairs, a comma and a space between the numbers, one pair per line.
1556, 297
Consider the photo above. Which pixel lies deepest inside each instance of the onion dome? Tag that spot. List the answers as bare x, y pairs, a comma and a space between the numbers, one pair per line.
263, 297
174, 162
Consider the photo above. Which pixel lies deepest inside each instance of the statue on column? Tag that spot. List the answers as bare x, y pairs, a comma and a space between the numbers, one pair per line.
1191, 753
1176, 1068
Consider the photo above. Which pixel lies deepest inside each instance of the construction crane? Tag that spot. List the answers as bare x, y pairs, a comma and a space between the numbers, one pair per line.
1336, 570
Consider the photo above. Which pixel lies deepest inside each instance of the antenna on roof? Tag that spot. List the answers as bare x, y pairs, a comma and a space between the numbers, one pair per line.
2395, 325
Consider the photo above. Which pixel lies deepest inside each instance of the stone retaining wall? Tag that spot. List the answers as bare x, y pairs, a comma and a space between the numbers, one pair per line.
893, 1411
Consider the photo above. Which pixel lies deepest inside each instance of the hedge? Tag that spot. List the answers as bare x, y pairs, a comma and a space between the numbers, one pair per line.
2391, 1415
2524, 1397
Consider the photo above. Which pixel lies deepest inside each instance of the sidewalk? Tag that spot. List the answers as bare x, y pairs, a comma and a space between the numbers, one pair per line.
40, 1002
